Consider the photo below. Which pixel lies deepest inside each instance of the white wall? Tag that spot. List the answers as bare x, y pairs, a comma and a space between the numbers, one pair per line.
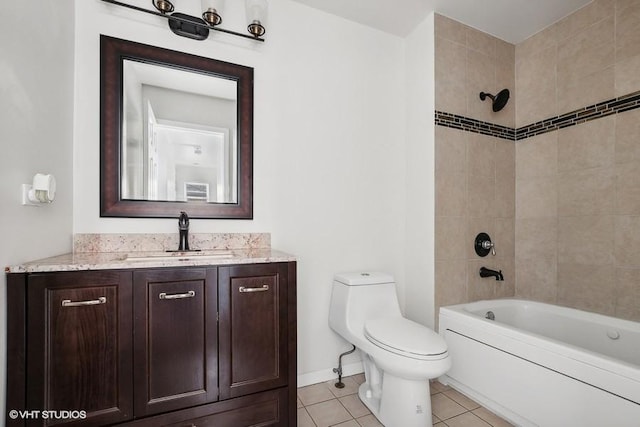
329, 159
420, 174
36, 81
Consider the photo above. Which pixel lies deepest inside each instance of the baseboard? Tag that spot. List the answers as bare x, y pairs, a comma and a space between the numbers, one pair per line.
328, 374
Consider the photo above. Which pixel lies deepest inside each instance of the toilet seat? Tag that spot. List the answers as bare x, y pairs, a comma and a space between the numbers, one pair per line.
406, 338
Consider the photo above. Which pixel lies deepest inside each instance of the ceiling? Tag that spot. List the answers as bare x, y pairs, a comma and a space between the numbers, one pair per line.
509, 20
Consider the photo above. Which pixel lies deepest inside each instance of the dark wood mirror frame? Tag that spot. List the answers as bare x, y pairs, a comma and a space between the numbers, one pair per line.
112, 53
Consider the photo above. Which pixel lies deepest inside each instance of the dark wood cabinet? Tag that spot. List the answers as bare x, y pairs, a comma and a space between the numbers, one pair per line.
80, 346
175, 339
187, 346
253, 326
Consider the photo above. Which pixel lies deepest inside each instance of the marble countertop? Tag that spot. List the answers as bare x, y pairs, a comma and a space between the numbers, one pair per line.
130, 251
132, 260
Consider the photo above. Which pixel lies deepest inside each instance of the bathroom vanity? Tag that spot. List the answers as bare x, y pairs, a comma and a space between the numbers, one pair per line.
153, 339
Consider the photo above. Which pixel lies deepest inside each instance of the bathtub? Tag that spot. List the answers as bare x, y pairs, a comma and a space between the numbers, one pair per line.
542, 365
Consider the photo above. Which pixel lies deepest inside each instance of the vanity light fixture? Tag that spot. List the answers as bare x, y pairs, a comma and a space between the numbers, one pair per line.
198, 28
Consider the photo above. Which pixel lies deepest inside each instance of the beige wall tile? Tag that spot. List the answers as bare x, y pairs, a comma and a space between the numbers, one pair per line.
627, 241
504, 238
450, 148
450, 29
505, 157
587, 287
505, 52
586, 240
586, 192
480, 196
481, 42
450, 233
628, 31
627, 188
450, 77
505, 197
588, 145
451, 193
542, 40
537, 198
451, 282
627, 77
591, 170
587, 52
536, 87
505, 78
627, 148
585, 17
536, 239
537, 157
627, 293
480, 78
586, 90
481, 151
621, 5
536, 279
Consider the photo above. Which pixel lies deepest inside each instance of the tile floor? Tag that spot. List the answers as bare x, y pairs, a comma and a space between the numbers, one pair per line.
324, 405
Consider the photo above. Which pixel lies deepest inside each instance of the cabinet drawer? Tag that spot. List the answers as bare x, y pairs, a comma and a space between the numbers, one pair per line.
269, 408
257, 414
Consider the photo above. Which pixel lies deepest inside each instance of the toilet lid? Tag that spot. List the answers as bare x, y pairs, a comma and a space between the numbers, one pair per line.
405, 337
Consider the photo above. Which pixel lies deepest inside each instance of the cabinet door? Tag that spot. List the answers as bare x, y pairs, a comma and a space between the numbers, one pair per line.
80, 346
175, 339
253, 328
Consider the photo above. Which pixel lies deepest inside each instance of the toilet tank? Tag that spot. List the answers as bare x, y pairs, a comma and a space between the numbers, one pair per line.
359, 296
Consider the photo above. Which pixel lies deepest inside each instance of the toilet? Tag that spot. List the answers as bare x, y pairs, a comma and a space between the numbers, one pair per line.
399, 355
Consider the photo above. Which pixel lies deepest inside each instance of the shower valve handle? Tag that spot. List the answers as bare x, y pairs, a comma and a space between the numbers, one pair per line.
488, 244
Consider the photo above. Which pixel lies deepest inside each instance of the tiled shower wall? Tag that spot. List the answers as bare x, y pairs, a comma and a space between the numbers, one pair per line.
578, 188
574, 192
475, 173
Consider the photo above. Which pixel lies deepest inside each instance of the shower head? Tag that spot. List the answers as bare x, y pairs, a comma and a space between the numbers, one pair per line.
499, 100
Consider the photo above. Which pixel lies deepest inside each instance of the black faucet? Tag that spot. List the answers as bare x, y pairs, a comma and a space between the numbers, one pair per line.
487, 272
183, 227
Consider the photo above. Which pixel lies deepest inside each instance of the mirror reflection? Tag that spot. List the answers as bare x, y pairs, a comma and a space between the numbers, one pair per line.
179, 135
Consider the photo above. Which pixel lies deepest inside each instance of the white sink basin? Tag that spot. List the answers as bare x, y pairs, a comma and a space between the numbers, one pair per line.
180, 256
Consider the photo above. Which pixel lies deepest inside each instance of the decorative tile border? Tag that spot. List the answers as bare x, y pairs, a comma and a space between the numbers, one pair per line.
582, 115
476, 126
602, 109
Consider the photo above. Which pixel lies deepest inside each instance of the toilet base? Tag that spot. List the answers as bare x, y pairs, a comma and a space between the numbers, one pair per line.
402, 403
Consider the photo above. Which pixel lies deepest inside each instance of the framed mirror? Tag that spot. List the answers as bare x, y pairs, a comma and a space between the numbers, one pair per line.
176, 134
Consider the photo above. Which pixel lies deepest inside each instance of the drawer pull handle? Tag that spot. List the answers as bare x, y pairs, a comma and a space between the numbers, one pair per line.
164, 295
69, 303
263, 288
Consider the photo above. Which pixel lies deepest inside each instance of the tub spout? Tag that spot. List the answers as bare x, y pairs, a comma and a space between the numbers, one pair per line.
487, 272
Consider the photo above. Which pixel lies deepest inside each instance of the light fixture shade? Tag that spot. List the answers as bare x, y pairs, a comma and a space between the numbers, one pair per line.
257, 16
212, 11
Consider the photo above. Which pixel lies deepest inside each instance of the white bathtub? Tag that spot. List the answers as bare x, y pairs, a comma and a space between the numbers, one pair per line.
543, 365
